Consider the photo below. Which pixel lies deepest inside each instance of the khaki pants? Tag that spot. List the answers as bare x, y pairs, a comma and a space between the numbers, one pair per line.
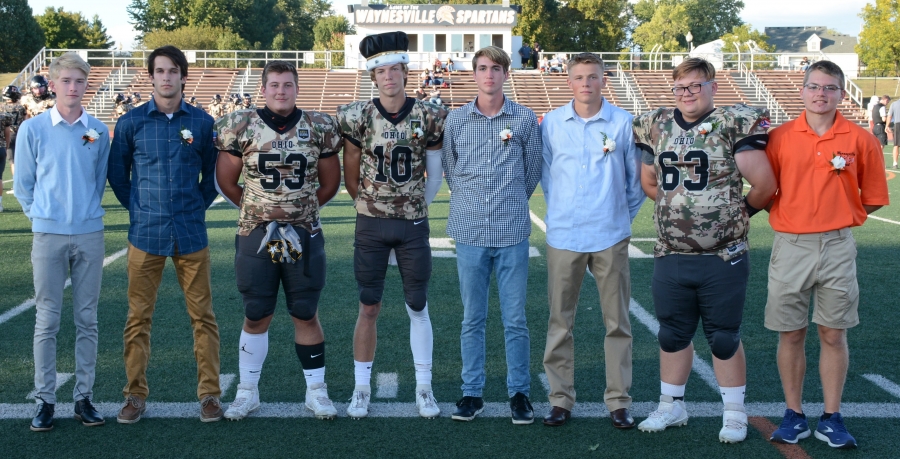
144, 276
565, 273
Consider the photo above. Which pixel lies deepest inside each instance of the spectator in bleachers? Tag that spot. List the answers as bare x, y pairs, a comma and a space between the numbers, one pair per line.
426, 78
438, 66
438, 78
449, 65
435, 96
420, 93
804, 64
545, 65
556, 64
535, 54
525, 53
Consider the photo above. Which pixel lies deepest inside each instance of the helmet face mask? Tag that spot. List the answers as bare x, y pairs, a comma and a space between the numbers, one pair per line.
38, 85
11, 93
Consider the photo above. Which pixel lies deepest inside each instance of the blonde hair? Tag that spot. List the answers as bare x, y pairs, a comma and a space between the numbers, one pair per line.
695, 64
495, 54
67, 61
403, 67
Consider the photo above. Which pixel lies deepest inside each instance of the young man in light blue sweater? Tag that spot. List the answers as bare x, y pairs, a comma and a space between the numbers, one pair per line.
62, 159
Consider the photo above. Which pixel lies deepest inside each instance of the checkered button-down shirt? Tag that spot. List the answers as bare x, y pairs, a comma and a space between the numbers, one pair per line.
165, 182
491, 180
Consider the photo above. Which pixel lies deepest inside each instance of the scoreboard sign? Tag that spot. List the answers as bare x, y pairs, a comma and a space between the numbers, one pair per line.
444, 15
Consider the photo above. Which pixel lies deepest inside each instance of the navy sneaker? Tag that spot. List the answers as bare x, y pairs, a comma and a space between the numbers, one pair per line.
833, 432
793, 428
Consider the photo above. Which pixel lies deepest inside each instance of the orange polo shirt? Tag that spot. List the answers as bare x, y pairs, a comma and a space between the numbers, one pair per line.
812, 197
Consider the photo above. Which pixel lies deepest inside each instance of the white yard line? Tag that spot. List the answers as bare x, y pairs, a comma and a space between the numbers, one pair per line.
191, 410
387, 385
225, 381
884, 220
889, 386
545, 382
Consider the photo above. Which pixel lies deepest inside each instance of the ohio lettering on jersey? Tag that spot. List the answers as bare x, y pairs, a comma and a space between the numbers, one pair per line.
392, 166
699, 202
281, 171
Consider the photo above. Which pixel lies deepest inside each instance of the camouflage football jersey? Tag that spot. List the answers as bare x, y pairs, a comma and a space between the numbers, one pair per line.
216, 111
280, 170
392, 166
11, 115
699, 202
35, 107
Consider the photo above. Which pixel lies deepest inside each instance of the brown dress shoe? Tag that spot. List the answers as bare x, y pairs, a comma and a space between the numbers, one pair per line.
557, 417
210, 409
622, 419
132, 410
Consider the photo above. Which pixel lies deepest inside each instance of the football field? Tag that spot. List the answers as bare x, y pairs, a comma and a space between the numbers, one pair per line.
283, 427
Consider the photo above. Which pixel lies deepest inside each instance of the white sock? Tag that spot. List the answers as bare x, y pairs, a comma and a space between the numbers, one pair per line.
363, 373
421, 341
252, 350
671, 389
733, 395
314, 377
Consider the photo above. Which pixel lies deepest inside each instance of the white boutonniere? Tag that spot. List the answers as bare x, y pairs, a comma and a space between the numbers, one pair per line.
418, 133
506, 135
707, 128
838, 163
187, 137
90, 136
609, 145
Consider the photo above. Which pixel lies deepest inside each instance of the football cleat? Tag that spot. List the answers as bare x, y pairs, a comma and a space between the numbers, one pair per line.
359, 405
734, 424
245, 402
427, 405
670, 413
318, 402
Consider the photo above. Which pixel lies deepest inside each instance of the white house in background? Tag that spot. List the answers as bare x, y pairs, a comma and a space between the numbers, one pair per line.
440, 31
816, 43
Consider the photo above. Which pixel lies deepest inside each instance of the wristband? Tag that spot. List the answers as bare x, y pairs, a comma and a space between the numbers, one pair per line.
751, 211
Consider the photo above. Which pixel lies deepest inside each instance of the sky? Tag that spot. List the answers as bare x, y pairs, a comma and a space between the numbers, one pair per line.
840, 15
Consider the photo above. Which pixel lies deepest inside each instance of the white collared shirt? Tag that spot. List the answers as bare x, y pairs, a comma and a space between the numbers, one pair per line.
56, 117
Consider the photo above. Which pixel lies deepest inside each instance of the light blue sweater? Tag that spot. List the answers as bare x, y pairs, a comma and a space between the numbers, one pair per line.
59, 180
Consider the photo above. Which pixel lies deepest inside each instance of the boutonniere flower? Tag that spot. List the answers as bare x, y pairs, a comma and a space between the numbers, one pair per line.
90, 136
418, 133
707, 128
506, 135
609, 145
187, 137
838, 163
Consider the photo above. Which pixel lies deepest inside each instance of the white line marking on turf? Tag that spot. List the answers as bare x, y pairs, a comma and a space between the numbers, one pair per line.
545, 382
191, 410
884, 219
6, 316
703, 369
537, 221
889, 386
225, 382
61, 380
387, 385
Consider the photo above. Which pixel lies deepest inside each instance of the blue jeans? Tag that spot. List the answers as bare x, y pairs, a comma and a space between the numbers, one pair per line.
475, 265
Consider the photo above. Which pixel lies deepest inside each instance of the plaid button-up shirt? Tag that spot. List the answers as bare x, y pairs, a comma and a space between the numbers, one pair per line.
165, 182
491, 180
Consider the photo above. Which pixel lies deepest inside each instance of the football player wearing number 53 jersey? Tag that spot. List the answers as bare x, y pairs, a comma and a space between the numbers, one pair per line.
290, 165
389, 143
695, 157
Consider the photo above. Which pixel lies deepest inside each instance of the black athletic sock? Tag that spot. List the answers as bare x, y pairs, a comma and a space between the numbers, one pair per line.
311, 356
679, 398
826, 416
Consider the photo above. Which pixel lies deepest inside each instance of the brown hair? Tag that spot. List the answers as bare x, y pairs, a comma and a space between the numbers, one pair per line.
828, 68
495, 54
278, 67
586, 58
172, 53
694, 64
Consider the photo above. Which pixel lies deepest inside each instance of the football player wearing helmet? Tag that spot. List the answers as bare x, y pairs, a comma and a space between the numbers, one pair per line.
389, 143
247, 102
39, 98
695, 158
13, 113
216, 110
283, 153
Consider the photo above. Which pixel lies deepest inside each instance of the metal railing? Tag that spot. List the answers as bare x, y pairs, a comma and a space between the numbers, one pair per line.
245, 80
776, 112
630, 93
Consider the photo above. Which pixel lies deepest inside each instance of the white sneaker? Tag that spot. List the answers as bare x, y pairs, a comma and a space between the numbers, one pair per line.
895, 165
426, 404
318, 402
734, 424
359, 405
670, 413
245, 402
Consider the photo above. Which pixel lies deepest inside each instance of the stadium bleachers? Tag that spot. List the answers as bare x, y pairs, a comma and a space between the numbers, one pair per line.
785, 87
656, 88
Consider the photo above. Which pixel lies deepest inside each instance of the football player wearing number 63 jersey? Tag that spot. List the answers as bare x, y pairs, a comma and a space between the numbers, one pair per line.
695, 157
389, 143
290, 165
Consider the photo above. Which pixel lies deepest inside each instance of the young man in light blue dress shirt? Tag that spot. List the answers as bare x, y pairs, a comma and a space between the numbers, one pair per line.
62, 159
492, 163
592, 186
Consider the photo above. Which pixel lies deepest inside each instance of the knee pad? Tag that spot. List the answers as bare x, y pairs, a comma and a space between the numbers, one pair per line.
724, 344
370, 295
672, 341
258, 308
417, 299
304, 308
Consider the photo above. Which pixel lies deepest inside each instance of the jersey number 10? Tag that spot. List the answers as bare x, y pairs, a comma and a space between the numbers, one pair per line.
401, 155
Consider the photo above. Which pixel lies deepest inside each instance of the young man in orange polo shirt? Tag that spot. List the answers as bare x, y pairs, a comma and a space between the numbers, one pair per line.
831, 176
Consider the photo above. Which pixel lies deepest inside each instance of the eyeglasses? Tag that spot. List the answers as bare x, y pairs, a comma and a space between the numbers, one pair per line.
827, 88
691, 89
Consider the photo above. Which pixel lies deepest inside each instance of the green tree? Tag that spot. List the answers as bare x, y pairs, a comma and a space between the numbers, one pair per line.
195, 37
879, 41
537, 23
710, 19
151, 15
21, 36
329, 26
667, 27
96, 35
63, 29
591, 25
